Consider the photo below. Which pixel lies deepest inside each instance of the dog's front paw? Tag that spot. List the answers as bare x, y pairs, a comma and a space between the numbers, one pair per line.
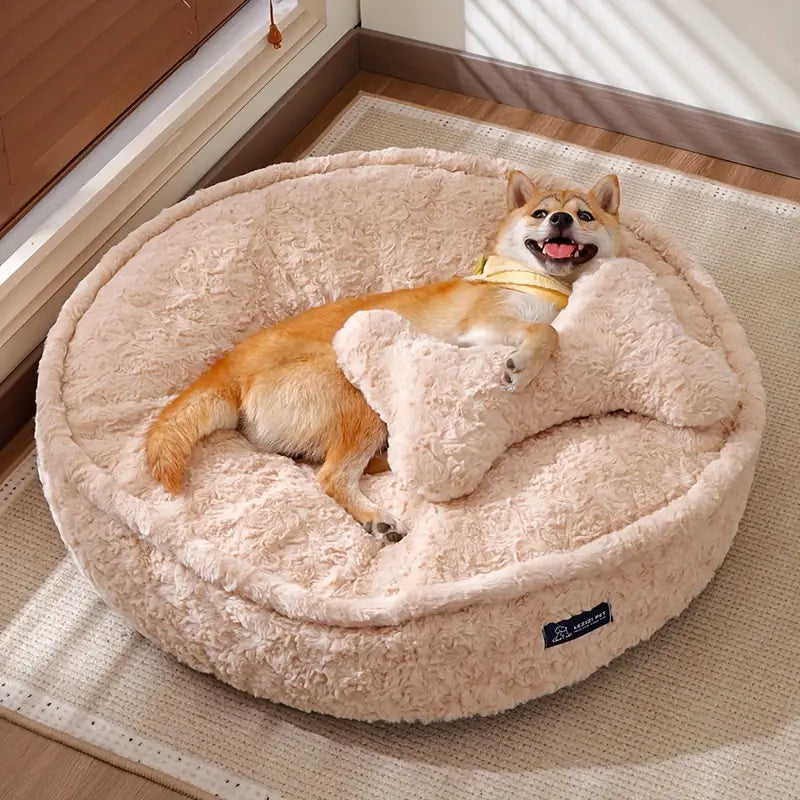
520, 369
385, 529
527, 361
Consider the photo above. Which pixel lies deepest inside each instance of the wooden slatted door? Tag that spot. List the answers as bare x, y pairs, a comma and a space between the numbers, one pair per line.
70, 68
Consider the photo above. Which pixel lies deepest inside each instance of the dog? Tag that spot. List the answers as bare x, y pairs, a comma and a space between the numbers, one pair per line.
282, 387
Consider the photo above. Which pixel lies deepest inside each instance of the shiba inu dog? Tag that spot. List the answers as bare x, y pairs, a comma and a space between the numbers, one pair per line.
284, 390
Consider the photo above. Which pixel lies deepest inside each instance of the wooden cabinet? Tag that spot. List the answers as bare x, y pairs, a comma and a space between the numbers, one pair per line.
70, 68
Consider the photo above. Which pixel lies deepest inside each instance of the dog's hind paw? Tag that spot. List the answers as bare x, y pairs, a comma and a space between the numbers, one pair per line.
385, 529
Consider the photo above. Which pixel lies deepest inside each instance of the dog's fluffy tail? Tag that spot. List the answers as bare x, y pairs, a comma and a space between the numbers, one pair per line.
211, 403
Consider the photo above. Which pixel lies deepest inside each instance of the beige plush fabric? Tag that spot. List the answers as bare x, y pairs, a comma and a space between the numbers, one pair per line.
621, 348
254, 575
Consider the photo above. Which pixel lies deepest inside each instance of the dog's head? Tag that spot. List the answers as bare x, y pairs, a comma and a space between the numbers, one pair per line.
559, 232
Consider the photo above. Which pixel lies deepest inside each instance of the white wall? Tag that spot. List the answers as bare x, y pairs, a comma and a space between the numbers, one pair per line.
735, 56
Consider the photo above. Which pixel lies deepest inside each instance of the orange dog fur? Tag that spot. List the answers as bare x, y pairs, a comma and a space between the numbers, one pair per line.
283, 387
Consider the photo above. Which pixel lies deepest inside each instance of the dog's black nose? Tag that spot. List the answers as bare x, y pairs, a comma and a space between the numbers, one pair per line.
561, 219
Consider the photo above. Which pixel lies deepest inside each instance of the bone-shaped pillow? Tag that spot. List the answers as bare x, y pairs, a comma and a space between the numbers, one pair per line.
449, 418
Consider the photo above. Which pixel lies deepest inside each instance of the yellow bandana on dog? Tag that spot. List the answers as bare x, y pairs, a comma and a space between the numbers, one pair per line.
508, 273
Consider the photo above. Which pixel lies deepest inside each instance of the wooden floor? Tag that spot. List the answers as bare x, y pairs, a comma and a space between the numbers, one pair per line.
35, 768
485, 110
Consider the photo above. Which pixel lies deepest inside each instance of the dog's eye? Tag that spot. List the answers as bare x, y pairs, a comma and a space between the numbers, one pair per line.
585, 216
540, 213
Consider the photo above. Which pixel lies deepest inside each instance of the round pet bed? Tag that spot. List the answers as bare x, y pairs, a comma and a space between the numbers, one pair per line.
578, 542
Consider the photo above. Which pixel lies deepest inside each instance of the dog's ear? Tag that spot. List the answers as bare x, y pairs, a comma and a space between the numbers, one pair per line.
606, 193
519, 190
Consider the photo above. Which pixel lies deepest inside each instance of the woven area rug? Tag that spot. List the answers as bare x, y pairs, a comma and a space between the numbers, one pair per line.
708, 708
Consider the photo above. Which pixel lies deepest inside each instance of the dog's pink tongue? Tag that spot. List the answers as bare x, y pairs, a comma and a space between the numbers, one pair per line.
557, 250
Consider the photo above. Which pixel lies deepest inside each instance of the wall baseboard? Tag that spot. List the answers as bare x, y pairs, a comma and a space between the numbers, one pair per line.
18, 397
686, 127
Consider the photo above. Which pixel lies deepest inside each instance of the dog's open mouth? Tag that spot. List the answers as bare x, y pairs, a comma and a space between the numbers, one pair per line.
561, 249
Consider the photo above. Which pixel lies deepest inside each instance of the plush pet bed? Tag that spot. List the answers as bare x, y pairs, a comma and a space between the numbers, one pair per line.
549, 529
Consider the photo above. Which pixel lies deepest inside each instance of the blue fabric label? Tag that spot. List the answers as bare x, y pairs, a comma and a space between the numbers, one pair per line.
567, 629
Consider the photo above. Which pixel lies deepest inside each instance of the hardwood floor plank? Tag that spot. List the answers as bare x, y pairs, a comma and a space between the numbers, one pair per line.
33, 767
607, 141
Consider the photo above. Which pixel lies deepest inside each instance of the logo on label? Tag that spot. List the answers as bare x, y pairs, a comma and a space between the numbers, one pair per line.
567, 629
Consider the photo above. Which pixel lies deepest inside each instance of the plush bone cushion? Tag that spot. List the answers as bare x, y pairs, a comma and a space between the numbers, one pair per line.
621, 348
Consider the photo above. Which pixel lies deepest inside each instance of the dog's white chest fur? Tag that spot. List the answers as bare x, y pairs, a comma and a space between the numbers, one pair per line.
529, 307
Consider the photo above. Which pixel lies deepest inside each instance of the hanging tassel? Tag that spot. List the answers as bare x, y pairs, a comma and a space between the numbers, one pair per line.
274, 36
